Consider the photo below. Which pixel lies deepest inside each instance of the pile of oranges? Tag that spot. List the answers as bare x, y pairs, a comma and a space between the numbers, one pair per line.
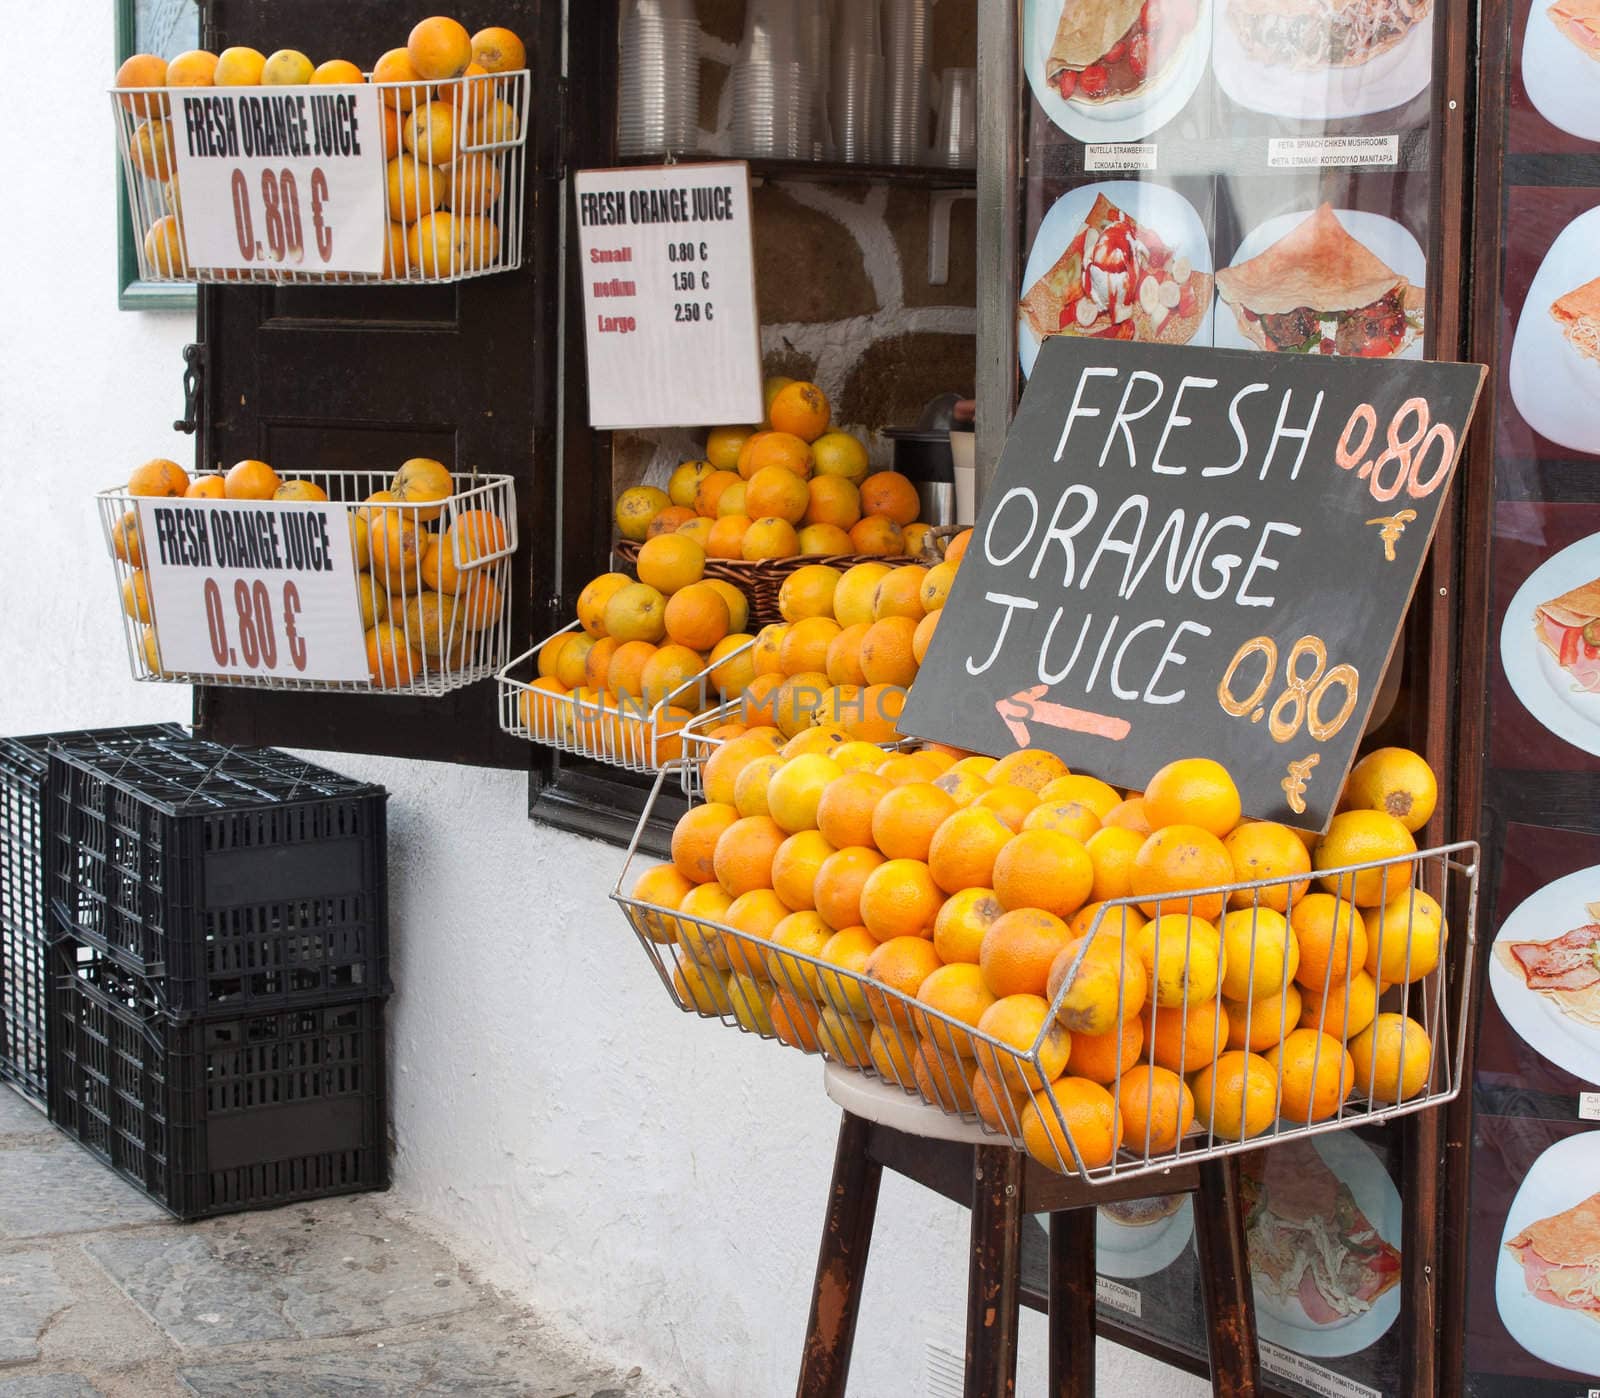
1056, 970
421, 609
790, 488
440, 200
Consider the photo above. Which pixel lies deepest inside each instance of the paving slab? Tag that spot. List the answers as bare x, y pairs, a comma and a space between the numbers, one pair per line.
19, 1117
31, 1293
48, 1386
55, 1187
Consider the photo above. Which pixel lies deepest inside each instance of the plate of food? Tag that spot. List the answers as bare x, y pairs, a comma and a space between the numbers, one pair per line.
1325, 281
1122, 259
1550, 644
1140, 1237
1322, 1221
1321, 60
1115, 70
1547, 1282
1561, 64
1545, 973
1555, 356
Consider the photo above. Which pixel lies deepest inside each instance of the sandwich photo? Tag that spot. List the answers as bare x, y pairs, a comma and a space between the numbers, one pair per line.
1118, 279
1564, 970
1579, 21
1309, 1240
1111, 50
1318, 290
1316, 34
1568, 627
1560, 1258
1578, 315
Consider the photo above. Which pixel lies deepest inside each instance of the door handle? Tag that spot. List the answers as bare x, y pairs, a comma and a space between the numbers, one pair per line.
194, 359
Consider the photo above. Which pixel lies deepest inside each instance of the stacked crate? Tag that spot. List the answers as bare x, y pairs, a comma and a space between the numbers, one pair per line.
219, 971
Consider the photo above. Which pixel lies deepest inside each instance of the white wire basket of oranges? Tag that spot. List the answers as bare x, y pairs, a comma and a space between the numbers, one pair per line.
1063, 966
431, 550
452, 141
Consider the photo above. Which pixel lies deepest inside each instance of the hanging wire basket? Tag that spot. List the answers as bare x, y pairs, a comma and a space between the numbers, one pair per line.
444, 222
446, 595
1016, 1090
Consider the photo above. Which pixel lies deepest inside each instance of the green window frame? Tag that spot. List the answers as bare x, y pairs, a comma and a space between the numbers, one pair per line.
167, 27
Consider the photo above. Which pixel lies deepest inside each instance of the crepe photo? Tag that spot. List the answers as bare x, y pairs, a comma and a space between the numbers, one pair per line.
1547, 645
1312, 35
1561, 63
1545, 973
1555, 355
1322, 1220
1547, 1281
1316, 288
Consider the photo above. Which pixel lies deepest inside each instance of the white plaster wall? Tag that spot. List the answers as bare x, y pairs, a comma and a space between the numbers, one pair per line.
654, 1182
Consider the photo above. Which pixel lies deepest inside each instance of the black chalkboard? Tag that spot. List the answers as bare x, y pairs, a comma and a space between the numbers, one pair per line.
1196, 552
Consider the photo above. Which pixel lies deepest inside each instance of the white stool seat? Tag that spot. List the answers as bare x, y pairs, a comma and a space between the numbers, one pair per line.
872, 1099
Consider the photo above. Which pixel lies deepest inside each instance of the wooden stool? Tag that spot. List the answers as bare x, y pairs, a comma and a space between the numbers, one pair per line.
883, 1127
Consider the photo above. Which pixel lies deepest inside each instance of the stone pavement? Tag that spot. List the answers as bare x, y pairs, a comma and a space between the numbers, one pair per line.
102, 1295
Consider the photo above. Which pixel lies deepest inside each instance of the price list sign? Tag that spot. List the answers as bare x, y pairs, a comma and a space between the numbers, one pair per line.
265, 590
1196, 553
668, 272
287, 179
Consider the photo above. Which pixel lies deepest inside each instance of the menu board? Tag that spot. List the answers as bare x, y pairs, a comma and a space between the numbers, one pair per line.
1533, 1309
1254, 175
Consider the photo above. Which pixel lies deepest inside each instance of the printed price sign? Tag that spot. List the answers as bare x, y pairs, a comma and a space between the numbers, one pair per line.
668, 272
277, 177
1196, 553
263, 589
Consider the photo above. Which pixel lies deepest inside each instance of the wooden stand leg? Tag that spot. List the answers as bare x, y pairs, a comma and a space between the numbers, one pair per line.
1072, 1298
841, 1264
1225, 1277
995, 1274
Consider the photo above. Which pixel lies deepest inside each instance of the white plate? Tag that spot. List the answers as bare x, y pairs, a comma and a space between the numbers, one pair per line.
1566, 1174
1554, 387
1560, 77
1552, 912
1381, 236
1285, 1323
1171, 215
1544, 688
1379, 85
1126, 1252
1131, 119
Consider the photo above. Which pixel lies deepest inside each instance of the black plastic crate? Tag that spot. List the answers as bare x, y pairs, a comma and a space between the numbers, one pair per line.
24, 928
216, 1114
229, 877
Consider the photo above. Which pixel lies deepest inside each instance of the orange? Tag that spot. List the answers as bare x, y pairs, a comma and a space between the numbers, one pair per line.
803, 932
597, 664
964, 848
843, 660
685, 482
241, 67
801, 409
726, 539
936, 586
832, 501
900, 594
142, 70
956, 990
905, 818
1157, 1108
1355, 837
1182, 956
767, 656
803, 648
756, 913
1074, 1125
1112, 852
498, 50
844, 815
439, 48
737, 603
163, 248
904, 768
823, 541
961, 787
1262, 951
917, 537
1128, 815
1263, 849
571, 663
1185, 1042
1193, 791
1067, 818
1019, 1022
750, 787
670, 563
1404, 938
671, 521
1030, 768
769, 538
1332, 937
723, 767
1236, 1097
902, 964
708, 494
696, 616
880, 708
963, 921
625, 673
997, 1103
842, 1039
1396, 781
337, 70
663, 886
876, 536
287, 68
251, 480
1176, 859
744, 854
1109, 983
1345, 1010
900, 899
781, 449
856, 592
774, 491
1314, 1074
893, 1057
704, 903
196, 68
849, 949
794, 1021
890, 495
694, 839
1265, 1022
956, 549
723, 445
543, 715
942, 1079
922, 637
856, 756
840, 454
1043, 869
160, 478
732, 501
430, 133
808, 592
669, 676
840, 882
1019, 949
796, 791
1103, 1058
702, 988
636, 612
1091, 791
136, 596
758, 704
1393, 1058
423, 481
289, 490
1013, 804
797, 701
390, 660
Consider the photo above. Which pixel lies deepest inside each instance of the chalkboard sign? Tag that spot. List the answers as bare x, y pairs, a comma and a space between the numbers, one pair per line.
1196, 553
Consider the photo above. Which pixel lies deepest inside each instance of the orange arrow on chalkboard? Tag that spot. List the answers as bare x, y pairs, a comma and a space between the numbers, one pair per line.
1030, 706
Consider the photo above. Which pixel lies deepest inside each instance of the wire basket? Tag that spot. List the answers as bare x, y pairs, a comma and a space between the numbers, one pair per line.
445, 222
634, 734
437, 645
1015, 1091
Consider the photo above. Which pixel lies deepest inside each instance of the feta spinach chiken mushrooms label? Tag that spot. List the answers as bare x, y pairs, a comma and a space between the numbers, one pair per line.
1196, 552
